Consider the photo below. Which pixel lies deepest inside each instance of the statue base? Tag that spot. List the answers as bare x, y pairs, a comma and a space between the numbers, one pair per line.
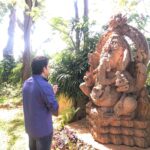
107, 129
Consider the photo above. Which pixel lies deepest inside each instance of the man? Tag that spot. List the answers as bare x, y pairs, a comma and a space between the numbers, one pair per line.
39, 104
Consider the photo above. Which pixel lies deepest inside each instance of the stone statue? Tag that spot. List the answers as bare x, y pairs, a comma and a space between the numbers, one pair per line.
115, 84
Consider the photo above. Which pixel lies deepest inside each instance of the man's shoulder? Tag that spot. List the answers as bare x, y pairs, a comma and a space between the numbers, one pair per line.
27, 81
30, 79
44, 85
40, 80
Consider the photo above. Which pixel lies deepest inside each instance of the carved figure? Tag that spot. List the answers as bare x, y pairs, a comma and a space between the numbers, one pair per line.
116, 77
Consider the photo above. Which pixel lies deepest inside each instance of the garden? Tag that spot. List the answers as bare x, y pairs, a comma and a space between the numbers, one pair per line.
65, 35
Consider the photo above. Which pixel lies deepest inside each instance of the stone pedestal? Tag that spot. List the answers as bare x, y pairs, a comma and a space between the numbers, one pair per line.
116, 131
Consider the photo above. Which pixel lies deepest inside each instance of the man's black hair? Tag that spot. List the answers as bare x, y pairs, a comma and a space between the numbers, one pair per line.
38, 64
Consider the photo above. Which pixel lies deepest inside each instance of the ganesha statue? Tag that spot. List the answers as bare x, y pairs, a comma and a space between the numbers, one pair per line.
115, 85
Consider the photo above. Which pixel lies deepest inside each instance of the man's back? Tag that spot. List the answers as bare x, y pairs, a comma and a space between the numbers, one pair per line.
39, 103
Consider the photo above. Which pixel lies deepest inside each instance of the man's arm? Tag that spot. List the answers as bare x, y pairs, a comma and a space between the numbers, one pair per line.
56, 112
50, 100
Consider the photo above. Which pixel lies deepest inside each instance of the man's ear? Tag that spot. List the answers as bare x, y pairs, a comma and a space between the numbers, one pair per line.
44, 68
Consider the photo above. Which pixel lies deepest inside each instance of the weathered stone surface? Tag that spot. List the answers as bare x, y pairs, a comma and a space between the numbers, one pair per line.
128, 132
119, 107
83, 133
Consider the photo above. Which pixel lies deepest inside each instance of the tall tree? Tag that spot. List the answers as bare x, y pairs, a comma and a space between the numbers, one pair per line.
8, 50
86, 9
77, 29
86, 19
27, 45
32, 12
8, 59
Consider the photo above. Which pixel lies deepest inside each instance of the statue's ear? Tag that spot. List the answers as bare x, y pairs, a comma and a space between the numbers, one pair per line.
124, 60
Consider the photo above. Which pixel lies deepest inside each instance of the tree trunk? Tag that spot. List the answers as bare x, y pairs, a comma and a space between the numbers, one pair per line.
86, 19
8, 59
8, 50
86, 9
76, 22
27, 45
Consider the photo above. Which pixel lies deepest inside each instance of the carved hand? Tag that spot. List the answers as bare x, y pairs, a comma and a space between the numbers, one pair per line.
121, 82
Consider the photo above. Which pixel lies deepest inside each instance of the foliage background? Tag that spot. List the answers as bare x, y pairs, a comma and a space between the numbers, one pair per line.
79, 34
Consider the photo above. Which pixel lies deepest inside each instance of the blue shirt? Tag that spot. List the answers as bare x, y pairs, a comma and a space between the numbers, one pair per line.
39, 104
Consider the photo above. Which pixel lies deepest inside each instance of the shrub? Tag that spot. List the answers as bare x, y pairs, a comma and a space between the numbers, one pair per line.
66, 109
16, 73
8, 64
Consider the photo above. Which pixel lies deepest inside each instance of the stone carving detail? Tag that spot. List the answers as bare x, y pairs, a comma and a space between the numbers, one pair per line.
119, 105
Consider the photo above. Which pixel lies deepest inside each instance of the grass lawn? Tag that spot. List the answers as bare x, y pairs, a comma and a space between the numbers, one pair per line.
12, 134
